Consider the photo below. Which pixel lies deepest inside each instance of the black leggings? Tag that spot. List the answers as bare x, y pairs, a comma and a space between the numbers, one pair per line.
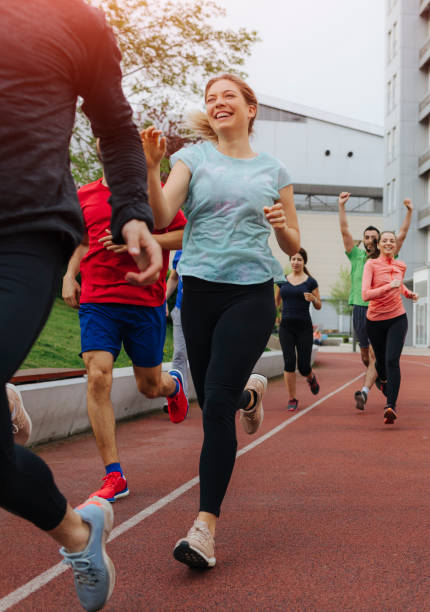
30, 267
296, 335
387, 339
226, 329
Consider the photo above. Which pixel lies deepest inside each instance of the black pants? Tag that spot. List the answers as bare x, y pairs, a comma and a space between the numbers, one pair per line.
296, 335
226, 329
30, 267
387, 339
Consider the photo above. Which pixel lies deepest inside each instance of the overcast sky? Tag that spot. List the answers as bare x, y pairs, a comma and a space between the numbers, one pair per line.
328, 54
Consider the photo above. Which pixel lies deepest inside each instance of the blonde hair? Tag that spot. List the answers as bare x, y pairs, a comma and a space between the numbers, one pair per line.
198, 121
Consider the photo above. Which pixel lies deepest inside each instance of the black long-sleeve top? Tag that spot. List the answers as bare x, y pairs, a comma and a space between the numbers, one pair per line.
51, 52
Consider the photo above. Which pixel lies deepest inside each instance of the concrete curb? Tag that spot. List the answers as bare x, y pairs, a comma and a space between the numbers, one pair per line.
58, 409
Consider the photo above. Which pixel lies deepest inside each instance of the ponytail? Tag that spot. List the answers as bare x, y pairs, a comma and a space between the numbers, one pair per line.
198, 123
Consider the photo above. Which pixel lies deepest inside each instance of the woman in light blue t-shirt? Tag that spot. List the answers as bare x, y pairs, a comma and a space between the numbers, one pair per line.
232, 198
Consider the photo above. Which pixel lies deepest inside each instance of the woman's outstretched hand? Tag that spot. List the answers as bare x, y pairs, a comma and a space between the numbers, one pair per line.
154, 146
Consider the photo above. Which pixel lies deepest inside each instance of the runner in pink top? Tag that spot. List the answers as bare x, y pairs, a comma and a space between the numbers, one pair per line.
387, 322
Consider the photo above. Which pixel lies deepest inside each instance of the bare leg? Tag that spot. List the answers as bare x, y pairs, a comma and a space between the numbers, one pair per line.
365, 356
290, 381
209, 519
371, 373
152, 382
99, 365
73, 533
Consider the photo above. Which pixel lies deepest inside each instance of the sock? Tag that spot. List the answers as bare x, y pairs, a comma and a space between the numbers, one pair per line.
114, 467
176, 388
365, 390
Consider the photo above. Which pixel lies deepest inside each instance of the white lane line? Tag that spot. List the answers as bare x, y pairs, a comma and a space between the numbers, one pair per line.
37, 583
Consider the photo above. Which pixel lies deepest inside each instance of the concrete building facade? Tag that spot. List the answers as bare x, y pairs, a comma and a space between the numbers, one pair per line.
325, 154
407, 145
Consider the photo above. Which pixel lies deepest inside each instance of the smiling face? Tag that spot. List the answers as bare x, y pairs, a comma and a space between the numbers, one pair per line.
387, 244
297, 263
227, 108
370, 239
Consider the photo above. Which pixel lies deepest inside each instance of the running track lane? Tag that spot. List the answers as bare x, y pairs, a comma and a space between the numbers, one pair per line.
330, 513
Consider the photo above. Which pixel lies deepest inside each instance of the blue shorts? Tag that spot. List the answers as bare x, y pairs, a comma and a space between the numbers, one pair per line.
142, 330
359, 321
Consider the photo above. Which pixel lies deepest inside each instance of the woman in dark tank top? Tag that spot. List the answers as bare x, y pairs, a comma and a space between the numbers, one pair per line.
295, 332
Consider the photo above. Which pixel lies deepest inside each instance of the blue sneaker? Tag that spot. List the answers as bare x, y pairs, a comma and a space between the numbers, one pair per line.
93, 570
177, 404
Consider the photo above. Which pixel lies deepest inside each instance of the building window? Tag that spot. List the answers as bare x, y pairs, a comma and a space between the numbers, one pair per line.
388, 197
389, 46
393, 91
394, 40
388, 147
388, 97
393, 195
393, 143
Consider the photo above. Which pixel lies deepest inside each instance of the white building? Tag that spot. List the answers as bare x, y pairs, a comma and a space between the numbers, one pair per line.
407, 145
325, 154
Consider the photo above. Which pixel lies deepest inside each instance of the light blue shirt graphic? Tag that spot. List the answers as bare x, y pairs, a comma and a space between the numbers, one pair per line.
226, 237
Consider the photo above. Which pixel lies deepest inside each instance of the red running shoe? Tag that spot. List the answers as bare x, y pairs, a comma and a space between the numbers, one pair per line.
177, 405
114, 487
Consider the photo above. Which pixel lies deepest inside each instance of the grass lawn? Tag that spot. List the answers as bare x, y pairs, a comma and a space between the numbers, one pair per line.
59, 344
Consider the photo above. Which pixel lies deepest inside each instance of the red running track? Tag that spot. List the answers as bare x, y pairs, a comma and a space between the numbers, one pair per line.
329, 513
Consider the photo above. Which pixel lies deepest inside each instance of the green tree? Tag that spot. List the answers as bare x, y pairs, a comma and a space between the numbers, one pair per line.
169, 49
339, 292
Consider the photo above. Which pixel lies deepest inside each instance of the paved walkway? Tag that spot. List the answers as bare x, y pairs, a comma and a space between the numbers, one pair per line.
328, 509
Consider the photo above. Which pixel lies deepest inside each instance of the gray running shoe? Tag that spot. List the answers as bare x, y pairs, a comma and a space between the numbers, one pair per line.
93, 570
360, 399
252, 419
197, 549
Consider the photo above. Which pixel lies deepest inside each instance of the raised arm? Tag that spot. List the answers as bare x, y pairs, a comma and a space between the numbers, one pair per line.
283, 218
71, 291
403, 231
165, 202
99, 83
347, 238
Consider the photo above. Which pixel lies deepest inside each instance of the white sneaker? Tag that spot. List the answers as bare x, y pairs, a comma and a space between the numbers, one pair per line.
252, 419
21, 422
197, 549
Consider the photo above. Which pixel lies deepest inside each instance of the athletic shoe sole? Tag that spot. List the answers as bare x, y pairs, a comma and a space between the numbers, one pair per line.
359, 400
389, 416
118, 496
184, 553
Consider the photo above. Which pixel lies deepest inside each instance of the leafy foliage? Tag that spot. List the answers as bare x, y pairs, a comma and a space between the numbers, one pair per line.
169, 49
339, 292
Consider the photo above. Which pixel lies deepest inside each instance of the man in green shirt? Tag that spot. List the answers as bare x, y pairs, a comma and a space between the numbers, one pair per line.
358, 258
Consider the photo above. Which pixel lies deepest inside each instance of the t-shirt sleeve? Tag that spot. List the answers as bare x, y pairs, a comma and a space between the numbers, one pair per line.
352, 254
188, 155
312, 284
284, 178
